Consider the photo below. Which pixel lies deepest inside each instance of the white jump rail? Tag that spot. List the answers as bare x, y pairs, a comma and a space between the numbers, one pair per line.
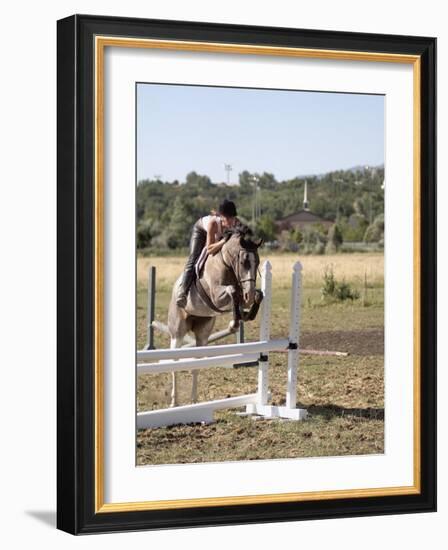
189, 414
193, 358
211, 351
196, 364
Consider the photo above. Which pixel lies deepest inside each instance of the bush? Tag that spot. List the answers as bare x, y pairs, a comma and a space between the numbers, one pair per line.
334, 290
319, 248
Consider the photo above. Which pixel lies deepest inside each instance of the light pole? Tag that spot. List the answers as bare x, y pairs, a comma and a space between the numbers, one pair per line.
370, 174
255, 204
228, 169
338, 202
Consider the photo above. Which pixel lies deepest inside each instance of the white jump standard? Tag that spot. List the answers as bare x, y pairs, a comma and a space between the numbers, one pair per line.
194, 358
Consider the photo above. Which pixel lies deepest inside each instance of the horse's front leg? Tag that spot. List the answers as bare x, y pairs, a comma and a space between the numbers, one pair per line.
235, 323
226, 298
252, 313
175, 343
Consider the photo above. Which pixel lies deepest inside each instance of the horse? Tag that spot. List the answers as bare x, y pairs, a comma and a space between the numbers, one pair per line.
226, 283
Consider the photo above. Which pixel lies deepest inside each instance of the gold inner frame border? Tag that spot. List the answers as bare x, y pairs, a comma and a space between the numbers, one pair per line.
101, 42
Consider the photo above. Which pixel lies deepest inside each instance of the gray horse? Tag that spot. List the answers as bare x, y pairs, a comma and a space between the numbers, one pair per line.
226, 284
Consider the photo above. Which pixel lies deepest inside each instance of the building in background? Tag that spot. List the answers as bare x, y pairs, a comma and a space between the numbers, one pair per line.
303, 218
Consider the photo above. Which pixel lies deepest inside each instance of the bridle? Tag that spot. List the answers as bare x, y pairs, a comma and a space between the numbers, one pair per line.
236, 271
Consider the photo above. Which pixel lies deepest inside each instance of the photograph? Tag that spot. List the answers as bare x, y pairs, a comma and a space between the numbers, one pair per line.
259, 225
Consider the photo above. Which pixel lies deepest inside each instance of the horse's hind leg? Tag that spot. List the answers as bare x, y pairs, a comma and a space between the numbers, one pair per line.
202, 330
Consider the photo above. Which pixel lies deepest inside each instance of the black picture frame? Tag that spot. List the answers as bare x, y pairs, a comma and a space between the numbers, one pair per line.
76, 510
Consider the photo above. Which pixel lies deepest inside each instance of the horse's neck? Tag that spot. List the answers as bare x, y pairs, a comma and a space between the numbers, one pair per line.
216, 272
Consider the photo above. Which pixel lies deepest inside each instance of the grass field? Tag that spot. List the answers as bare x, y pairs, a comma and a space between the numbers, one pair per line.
344, 395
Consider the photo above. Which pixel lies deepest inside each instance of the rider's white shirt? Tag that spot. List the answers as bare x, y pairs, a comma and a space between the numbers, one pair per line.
205, 220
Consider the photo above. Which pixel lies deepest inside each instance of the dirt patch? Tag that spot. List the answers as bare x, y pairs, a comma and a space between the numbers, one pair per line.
344, 397
355, 342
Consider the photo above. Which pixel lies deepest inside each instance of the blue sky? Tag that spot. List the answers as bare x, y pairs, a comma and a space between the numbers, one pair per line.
287, 133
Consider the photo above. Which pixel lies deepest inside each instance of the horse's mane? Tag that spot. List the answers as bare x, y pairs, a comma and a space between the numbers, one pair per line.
245, 233
240, 230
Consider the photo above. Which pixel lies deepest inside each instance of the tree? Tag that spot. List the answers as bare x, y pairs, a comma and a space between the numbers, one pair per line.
334, 239
375, 232
313, 241
353, 228
144, 235
266, 228
245, 181
267, 181
194, 179
182, 219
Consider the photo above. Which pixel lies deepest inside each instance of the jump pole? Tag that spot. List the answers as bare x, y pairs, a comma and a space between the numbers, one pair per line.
262, 346
161, 327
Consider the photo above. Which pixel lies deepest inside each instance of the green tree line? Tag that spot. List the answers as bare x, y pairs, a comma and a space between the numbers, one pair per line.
352, 199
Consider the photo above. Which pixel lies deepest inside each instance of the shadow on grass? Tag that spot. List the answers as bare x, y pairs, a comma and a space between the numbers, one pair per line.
329, 412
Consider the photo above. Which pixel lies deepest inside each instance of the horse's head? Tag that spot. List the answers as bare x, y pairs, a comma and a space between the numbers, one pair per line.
240, 252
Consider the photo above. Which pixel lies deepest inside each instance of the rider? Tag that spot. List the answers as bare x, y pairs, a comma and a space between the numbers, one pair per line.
207, 232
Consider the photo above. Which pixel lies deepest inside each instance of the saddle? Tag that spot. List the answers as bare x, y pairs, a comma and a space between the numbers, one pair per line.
200, 262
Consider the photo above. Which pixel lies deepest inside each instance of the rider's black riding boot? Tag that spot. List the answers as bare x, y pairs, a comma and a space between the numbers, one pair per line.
197, 243
187, 280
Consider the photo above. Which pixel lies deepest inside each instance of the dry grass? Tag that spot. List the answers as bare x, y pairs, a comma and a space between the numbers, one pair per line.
352, 267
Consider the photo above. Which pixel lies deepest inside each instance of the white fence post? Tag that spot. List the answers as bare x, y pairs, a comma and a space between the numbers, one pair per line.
151, 308
294, 336
265, 331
